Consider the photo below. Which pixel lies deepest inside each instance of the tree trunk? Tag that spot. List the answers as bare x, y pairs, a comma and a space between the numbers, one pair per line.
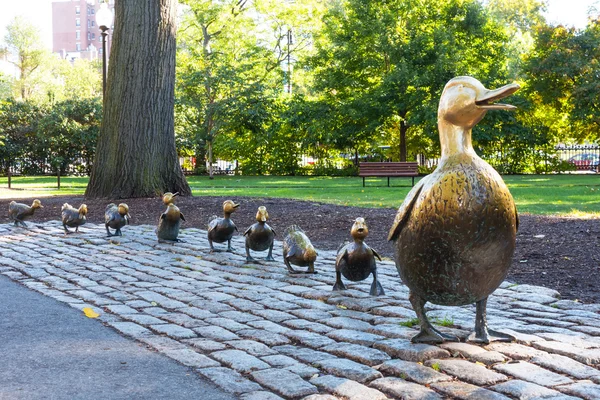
210, 160
403, 130
136, 155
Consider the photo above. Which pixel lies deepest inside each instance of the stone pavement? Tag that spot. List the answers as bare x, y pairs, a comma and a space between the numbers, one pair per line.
261, 334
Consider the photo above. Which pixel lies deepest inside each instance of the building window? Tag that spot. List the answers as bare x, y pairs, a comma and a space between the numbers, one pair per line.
77, 35
78, 46
89, 36
77, 22
93, 23
93, 36
77, 10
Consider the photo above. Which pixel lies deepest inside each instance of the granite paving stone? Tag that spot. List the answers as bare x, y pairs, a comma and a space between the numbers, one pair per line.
304, 354
567, 366
466, 391
586, 356
216, 333
303, 370
515, 351
467, 371
358, 353
191, 358
349, 369
532, 373
405, 350
284, 383
525, 390
174, 331
585, 389
401, 389
251, 347
309, 339
347, 388
264, 336
473, 353
229, 380
357, 337
261, 395
413, 371
239, 360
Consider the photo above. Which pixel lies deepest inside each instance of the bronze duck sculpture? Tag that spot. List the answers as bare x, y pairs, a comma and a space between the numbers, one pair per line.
260, 236
221, 230
170, 220
298, 250
73, 217
356, 260
116, 217
455, 231
19, 212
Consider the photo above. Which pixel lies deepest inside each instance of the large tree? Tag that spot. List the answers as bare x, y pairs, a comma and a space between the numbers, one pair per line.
136, 155
382, 64
23, 49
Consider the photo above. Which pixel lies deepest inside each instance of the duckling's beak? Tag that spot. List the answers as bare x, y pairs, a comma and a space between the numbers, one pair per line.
235, 205
487, 99
175, 194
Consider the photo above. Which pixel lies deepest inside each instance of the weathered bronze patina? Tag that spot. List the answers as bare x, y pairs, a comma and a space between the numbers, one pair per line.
455, 231
221, 230
356, 260
116, 217
298, 250
19, 212
73, 217
260, 236
170, 220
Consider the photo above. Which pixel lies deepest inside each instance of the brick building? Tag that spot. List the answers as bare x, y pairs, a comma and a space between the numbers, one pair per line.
75, 33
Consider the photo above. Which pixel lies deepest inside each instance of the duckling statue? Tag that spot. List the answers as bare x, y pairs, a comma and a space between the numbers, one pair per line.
116, 217
19, 212
73, 217
356, 260
455, 231
170, 220
221, 230
260, 236
298, 250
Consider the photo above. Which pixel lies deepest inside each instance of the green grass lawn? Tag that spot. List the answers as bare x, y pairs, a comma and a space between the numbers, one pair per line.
577, 195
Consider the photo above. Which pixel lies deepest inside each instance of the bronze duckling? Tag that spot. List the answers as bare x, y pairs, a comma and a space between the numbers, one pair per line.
221, 230
19, 212
356, 260
455, 231
298, 250
116, 217
170, 220
73, 217
260, 236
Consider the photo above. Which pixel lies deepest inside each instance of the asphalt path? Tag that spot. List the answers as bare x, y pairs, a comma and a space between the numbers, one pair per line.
49, 350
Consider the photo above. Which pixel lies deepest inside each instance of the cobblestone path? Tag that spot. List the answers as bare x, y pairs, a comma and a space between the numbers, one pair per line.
262, 334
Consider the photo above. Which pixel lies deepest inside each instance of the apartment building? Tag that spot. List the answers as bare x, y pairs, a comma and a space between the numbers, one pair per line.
75, 33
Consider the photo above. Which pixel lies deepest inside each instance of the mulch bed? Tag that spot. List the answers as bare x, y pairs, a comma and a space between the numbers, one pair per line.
558, 253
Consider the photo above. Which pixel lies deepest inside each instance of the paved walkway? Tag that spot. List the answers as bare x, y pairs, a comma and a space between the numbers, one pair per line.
261, 334
52, 351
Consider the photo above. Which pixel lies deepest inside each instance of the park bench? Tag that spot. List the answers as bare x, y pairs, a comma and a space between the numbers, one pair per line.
388, 169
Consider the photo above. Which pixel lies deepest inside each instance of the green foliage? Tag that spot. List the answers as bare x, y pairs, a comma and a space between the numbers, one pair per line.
562, 72
42, 138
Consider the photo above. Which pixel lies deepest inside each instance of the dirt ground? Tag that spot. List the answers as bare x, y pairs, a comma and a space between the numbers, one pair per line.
559, 253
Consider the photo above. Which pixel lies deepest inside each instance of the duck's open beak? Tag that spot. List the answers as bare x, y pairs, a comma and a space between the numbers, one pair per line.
487, 99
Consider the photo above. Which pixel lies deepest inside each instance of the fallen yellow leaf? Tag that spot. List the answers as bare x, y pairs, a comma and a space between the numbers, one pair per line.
90, 313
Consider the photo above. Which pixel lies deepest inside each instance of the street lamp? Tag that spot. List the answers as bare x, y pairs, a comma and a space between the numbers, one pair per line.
104, 19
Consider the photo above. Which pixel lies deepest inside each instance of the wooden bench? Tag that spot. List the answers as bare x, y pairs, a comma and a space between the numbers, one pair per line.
389, 169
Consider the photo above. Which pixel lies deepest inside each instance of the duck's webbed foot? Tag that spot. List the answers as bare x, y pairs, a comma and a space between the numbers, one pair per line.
339, 285
428, 333
229, 249
270, 255
108, 234
482, 334
376, 288
67, 232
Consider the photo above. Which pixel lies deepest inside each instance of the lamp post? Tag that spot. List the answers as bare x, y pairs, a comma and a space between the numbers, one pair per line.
104, 18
